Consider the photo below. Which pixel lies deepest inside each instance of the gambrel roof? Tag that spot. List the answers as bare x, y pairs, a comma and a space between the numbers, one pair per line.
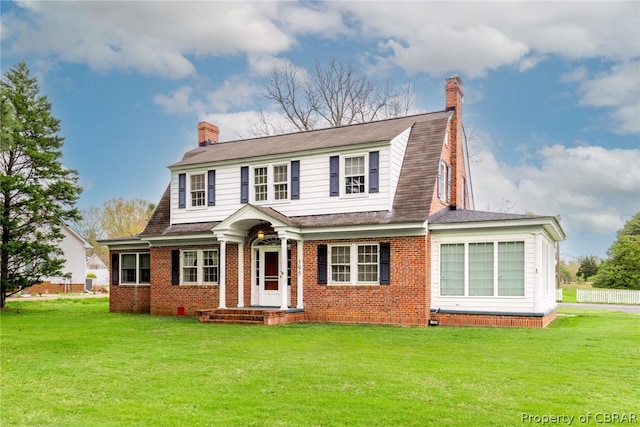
416, 183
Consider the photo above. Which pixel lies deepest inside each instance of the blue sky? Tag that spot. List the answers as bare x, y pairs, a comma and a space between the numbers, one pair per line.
552, 89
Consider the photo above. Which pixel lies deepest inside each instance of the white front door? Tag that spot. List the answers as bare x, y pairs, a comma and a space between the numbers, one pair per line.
269, 276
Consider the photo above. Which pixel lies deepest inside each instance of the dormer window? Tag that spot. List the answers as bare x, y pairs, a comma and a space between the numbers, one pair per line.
281, 182
271, 183
260, 184
354, 175
197, 189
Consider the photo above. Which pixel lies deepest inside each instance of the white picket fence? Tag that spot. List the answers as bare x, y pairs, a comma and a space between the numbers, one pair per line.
559, 295
608, 296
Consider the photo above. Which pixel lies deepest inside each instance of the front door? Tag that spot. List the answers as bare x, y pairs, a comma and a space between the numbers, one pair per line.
269, 280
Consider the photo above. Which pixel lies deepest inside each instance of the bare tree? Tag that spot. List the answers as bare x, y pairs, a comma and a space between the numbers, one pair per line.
330, 95
90, 228
125, 218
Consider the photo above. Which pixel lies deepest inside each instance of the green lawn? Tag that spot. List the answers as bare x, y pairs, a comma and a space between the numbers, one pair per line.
72, 363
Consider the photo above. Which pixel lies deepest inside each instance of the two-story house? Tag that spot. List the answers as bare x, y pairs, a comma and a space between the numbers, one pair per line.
368, 223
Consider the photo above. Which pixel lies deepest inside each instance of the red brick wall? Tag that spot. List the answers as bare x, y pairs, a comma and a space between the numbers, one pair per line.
403, 302
166, 298
127, 298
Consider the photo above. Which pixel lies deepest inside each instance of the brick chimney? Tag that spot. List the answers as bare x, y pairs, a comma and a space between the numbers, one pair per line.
207, 134
454, 95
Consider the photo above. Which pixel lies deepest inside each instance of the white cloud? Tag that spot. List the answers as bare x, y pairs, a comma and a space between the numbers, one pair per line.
618, 89
475, 37
149, 37
594, 189
180, 101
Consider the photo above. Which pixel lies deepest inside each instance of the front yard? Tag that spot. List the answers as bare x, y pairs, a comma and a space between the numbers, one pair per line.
72, 363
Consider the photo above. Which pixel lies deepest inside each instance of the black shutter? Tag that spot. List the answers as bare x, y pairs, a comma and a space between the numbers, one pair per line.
115, 269
182, 190
334, 175
244, 184
322, 264
211, 188
385, 263
175, 267
295, 179
374, 160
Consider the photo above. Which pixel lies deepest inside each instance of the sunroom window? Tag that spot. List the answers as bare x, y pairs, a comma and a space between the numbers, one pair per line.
482, 269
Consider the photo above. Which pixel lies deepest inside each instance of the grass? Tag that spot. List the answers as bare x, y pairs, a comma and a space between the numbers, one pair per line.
569, 290
72, 363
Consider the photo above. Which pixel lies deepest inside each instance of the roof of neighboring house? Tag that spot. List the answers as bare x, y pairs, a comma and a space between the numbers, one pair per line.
415, 188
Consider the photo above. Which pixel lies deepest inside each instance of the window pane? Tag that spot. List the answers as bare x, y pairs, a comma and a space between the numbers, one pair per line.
128, 268
260, 183
145, 268
511, 268
354, 175
452, 269
190, 266
341, 264
197, 190
280, 182
368, 263
210, 267
480, 269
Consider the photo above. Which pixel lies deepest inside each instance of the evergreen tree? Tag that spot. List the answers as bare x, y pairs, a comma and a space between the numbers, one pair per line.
37, 193
622, 268
588, 267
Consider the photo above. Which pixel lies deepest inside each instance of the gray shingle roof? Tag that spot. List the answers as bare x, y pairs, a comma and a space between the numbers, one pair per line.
383, 130
449, 216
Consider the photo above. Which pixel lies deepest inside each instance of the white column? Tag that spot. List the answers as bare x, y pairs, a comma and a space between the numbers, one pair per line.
223, 274
240, 274
300, 244
283, 274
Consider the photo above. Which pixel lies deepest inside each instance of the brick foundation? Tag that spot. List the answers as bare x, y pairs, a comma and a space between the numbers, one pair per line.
472, 319
54, 288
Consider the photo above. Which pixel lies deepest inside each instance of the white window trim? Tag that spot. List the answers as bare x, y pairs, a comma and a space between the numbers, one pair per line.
271, 196
189, 191
343, 175
353, 266
200, 267
137, 282
442, 180
495, 269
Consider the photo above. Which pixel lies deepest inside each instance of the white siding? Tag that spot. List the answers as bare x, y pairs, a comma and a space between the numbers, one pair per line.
537, 297
314, 187
74, 254
398, 148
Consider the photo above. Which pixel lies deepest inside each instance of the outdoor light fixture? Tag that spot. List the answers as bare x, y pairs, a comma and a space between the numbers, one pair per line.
260, 234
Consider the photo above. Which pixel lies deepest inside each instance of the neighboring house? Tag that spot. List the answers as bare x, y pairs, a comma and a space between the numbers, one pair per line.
368, 223
74, 272
98, 268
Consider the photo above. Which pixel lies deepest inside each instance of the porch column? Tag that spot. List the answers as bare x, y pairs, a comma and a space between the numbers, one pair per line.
223, 274
240, 274
283, 274
300, 244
